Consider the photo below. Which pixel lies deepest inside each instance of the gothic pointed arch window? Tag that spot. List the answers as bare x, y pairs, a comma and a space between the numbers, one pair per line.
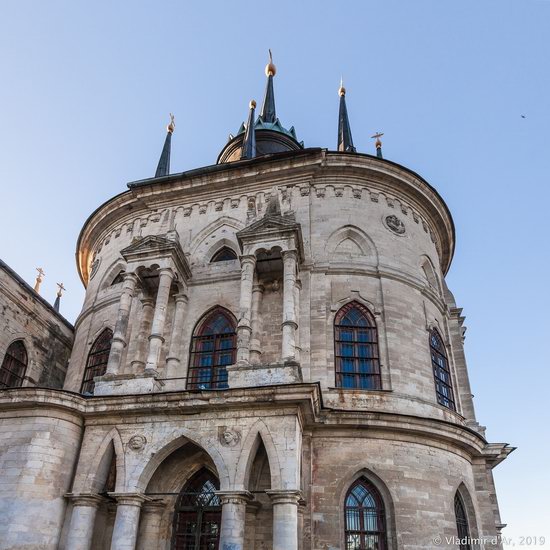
462, 526
198, 514
364, 517
213, 348
96, 364
442, 373
14, 366
224, 254
357, 362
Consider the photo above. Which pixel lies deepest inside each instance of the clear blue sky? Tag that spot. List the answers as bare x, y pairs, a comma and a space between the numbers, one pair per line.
85, 94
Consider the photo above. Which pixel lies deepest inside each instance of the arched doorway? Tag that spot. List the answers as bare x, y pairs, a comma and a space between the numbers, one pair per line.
198, 514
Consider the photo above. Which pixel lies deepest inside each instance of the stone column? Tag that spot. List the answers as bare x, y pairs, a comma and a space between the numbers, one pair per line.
128, 508
138, 364
156, 339
256, 324
244, 330
121, 327
290, 259
81, 528
149, 528
176, 339
285, 519
297, 290
233, 518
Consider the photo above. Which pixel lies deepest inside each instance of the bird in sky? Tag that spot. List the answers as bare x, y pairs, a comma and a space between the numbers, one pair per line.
523, 116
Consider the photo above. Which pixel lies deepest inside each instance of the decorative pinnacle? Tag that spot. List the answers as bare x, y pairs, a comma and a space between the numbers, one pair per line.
60, 290
341, 89
172, 126
377, 137
270, 69
39, 279
252, 104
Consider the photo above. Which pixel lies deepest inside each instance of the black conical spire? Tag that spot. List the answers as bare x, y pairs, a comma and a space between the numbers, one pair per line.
249, 142
268, 113
345, 141
163, 168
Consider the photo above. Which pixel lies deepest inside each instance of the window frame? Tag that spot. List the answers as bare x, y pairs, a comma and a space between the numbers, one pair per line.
86, 380
220, 252
462, 523
14, 379
378, 512
210, 510
217, 378
445, 400
372, 342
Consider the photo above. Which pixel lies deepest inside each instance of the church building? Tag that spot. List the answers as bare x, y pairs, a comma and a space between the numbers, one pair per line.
267, 358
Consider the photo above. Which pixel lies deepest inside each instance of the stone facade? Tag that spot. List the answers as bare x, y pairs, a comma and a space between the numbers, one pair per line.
312, 231
47, 336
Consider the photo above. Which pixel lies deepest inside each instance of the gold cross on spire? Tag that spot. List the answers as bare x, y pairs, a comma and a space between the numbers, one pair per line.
377, 137
61, 288
39, 279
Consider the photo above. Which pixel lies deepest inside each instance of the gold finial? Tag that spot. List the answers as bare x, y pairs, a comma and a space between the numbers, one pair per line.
270, 68
60, 290
252, 104
172, 126
39, 278
341, 89
377, 137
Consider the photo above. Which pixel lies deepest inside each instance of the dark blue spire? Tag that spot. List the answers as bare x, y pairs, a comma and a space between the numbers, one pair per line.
268, 113
163, 168
345, 141
249, 142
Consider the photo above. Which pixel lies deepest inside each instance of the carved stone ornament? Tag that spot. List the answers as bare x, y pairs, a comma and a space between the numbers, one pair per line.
137, 442
395, 224
229, 437
94, 268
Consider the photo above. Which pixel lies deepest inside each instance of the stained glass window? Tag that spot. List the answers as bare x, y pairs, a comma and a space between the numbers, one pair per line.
442, 374
198, 514
213, 348
356, 348
96, 365
462, 524
14, 366
364, 517
224, 255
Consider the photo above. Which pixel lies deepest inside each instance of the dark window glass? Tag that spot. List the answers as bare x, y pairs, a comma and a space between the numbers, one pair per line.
442, 374
96, 365
462, 524
356, 348
118, 279
198, 514
14, 366
224, 255
213, 348
364, 517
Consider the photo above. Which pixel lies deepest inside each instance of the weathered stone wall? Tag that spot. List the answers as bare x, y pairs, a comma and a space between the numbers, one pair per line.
47, 336
38, 451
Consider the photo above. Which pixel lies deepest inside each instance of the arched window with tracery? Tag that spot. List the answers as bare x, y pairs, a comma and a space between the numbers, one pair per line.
224, 254
96, 365
198, 514
442, 373
356, 348
14, 366
365, 517
213, 348
462, 527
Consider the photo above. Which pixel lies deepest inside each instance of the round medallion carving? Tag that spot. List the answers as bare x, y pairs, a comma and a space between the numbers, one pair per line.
393, 223
229, 437
137, 442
